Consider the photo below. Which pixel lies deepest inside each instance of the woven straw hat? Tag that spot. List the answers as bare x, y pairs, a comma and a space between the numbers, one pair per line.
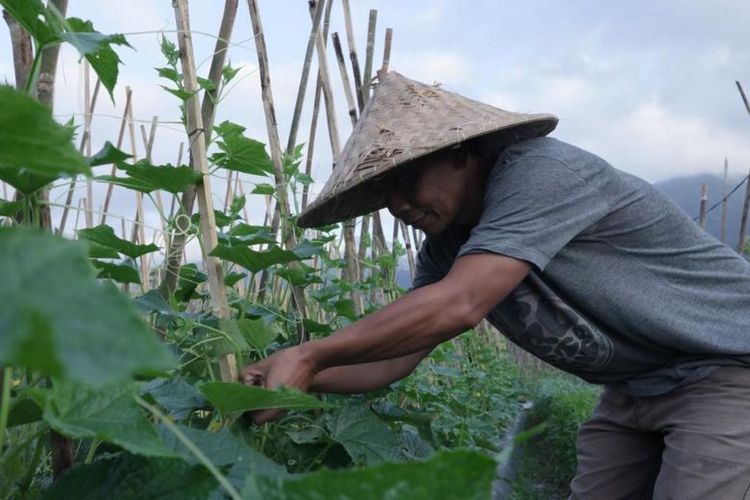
402, 121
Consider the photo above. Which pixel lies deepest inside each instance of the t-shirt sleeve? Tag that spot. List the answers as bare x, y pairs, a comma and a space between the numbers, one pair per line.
533, 207
428, 269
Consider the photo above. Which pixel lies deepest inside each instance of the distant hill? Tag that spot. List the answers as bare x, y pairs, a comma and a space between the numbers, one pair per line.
685, 191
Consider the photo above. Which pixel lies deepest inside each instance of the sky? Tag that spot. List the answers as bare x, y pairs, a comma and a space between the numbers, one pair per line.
649, 86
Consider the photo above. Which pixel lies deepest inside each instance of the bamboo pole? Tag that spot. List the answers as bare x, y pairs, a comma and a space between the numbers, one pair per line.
85, 144
87, 132
356, 75
703, 202
138, 229
197, 135
22, 47
369, 55
345, 78
315, 113
409, 249
120, 137
304, 75
177, 243
743, 221
276, 157
724, 204
387, 50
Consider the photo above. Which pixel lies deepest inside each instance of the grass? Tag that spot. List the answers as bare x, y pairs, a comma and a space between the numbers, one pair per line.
547, 462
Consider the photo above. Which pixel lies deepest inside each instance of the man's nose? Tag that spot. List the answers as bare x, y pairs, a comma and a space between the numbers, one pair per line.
398, 203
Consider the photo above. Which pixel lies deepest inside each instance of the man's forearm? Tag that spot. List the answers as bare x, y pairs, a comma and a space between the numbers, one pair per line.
365, 377
418, 321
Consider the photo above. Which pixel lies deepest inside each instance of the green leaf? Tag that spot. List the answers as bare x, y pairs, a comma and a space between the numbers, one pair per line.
264, 189
240, 153
232, 341
238, 203
231, 279
121, 273
175, 395
105, 235
463, 475
190, 278
97, 49
108, 414
129, 477
144, 177
258, 333
367, 439
107, 155
97, 251
229, 397
56, 317
248, 235
299, 276
221, 219
31, 141
167, 177
152, 301
228, 73
170, 74
206, 84
10, 208
254, 261
314, 327
221, 448
307, 249
345, 308
36, 19
181, 93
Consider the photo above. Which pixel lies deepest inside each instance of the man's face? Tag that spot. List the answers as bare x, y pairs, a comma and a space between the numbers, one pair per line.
431, 193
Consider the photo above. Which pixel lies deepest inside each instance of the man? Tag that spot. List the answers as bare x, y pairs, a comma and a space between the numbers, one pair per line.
585, 266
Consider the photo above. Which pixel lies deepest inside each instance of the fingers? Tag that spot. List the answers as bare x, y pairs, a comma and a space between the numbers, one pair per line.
263, 416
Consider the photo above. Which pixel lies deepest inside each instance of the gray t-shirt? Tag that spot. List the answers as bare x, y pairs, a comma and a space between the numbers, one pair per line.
625, 289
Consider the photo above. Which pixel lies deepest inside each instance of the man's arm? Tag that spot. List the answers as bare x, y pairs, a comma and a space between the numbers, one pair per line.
420, 320
366, 377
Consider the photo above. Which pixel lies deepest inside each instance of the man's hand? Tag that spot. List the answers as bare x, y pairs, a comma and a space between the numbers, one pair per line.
289, 367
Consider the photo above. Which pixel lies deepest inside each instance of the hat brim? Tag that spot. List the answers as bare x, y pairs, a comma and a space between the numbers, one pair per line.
361, 197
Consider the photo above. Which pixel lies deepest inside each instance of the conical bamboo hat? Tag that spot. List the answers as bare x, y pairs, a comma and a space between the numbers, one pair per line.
402, 121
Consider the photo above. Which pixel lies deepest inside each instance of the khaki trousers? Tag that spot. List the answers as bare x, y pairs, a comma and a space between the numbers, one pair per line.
692, 443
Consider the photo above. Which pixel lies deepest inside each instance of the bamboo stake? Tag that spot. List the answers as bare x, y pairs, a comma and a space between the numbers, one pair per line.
723, 228
315, 113
177, 243
197, 134
139, 231
275, 147
409, 250
387, 50
356, 75
369, 55
22, 47
743, 222
364, 237
120, 137
703, 202
85, 145
304, 76
345, 78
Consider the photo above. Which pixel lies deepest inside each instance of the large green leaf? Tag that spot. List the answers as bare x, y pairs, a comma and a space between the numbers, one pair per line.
107, 155
258, 333
221, 448
145, 177
57, 318
120, 273
31, 141
109, 414
252, 260
176, 396
105, 235
36, 19
230, 397
239, 152
367, 439
10, 208
129, 477
96, 48
449, 475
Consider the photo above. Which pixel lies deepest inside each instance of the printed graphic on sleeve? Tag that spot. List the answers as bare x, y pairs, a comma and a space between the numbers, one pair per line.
536, 319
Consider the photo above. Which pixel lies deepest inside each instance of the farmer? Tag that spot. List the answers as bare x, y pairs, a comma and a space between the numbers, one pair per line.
585, 266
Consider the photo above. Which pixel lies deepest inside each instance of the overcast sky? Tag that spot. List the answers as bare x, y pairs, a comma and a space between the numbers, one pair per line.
647, 85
